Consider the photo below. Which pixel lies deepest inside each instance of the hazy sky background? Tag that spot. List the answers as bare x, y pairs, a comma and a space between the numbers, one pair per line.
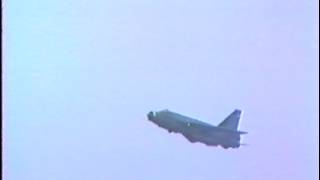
80, 77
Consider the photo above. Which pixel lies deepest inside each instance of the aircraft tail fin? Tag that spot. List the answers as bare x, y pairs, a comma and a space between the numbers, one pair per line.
232, 121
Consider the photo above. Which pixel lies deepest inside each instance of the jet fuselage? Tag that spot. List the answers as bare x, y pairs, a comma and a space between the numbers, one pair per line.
195, 130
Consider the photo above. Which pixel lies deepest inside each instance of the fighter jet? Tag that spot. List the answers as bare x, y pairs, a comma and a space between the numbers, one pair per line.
226, 134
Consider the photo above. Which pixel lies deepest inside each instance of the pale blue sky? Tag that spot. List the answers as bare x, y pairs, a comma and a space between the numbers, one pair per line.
80, 76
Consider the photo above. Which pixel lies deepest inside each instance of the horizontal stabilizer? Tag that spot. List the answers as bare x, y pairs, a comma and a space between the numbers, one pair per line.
242, 132
244, 144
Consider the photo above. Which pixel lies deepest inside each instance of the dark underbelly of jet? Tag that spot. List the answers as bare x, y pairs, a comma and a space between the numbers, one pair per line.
214, 139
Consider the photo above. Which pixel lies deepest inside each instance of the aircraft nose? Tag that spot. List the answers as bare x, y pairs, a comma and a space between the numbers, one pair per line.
150, 115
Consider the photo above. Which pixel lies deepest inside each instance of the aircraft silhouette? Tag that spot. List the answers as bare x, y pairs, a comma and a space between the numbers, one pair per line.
226, 134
